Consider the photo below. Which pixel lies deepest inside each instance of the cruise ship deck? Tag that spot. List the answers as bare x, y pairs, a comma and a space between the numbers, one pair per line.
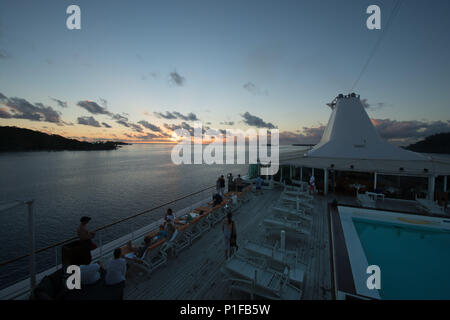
195, 273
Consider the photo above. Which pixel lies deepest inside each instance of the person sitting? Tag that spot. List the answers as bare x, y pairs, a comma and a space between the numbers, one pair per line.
116, 269
217, 199
162, 233
169, 218
170, 230
90, 273
144, 246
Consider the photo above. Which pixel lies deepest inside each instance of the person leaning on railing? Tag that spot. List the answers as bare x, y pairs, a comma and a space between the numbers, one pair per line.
85, 235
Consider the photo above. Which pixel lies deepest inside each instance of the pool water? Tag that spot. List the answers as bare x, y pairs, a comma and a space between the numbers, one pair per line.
414, 261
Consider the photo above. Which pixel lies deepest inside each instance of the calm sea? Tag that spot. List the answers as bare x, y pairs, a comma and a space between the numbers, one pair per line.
106, 185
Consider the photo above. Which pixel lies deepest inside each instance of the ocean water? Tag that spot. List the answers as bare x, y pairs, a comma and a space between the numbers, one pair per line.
106, 185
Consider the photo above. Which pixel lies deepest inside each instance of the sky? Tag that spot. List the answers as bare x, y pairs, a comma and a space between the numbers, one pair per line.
136, 70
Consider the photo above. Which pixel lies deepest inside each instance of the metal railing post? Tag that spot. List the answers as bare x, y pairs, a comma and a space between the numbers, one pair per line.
32, 245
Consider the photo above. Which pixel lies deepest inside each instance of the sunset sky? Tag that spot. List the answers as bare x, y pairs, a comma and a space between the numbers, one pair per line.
139, 69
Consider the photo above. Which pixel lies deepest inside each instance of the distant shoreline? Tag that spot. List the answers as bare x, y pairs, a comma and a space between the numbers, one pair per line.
14, 139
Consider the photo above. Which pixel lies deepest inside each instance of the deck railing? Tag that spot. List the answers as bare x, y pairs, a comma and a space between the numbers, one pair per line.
150, 218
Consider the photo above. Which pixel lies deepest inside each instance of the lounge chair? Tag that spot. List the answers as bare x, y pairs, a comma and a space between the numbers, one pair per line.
179, 241
259, 280
277, 259
154, 257
429, 206
365, 201
285, 211
291, 227
298, 201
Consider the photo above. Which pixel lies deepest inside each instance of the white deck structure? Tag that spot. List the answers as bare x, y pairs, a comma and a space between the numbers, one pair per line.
351, 143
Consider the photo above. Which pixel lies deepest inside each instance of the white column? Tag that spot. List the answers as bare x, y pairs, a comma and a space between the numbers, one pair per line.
374, 181
431, 183
325, 181
445, 183
301, 173
290, 172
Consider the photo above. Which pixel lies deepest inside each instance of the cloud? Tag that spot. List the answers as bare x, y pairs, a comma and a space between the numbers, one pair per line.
227, 123
62, 104
149, 126
88, 121
93, 107
373, 106
168, 115
183, 125
190, 117
177, 78
255, 121
409, 131
4, 54
106, 125
253, 89
2, 97
19, 108
311, 135
399, 132
176, 115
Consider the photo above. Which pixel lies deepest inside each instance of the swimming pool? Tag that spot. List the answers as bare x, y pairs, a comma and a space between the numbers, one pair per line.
413, 253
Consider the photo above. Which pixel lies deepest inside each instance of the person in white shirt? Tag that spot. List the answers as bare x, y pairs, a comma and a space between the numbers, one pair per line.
90, 273
116, 269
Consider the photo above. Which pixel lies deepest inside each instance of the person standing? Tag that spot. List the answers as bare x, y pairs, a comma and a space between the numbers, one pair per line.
227, 228
259, 185
312, 184
219, 186
239, 183
222, 185
85, 235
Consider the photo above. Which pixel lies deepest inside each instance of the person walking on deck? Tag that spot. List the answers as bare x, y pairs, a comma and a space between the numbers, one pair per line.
219, 186
259, 185
229, 233
312, 184
222, 185
239, 183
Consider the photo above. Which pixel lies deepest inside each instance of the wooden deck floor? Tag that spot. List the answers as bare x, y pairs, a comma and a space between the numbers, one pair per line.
195, 273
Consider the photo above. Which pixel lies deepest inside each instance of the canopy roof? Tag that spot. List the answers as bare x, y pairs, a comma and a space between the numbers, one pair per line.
350, 142
351, 134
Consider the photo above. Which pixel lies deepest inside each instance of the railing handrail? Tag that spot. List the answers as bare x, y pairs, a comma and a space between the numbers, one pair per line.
3, 263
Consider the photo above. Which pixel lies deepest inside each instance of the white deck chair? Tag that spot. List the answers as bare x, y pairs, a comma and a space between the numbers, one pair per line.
430, 206
365, 201
275, 224
286, 211
278, 259
300, 203
179, 241
150, 260
259, 280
